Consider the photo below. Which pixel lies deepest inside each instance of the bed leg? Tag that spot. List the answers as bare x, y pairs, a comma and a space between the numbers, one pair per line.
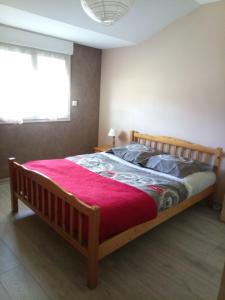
93, 246
14, 199
14, 204
92, 278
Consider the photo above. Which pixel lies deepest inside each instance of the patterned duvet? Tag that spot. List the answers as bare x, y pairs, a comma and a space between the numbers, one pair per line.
166, 191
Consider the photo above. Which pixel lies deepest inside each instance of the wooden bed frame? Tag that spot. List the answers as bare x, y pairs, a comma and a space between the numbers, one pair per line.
37, 190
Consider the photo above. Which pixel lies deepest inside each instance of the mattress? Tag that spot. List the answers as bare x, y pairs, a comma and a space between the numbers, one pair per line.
198, 182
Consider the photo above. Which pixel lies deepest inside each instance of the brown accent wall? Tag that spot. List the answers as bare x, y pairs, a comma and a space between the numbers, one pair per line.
59, 139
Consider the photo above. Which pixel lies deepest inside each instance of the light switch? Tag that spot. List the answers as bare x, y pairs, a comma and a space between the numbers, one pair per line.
74, 103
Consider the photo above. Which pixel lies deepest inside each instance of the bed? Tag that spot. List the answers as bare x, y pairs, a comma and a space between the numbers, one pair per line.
93, 222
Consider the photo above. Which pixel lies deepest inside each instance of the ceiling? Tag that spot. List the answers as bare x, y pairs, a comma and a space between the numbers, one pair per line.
67, 20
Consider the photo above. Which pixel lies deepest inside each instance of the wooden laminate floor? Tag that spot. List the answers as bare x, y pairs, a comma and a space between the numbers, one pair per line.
180, 259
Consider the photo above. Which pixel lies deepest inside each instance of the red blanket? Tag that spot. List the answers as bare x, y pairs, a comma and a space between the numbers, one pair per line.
121, 206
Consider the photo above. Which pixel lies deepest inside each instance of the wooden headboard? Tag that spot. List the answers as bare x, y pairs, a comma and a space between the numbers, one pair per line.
182, 148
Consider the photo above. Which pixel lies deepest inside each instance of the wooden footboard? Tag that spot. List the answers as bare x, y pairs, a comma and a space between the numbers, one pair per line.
53, 204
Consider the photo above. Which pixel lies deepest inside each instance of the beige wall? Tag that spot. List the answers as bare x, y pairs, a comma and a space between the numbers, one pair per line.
173, 84
59, 139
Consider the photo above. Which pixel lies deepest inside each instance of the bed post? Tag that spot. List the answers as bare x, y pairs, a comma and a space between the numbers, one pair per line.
132, 132
93, 248
12, 177
217, 162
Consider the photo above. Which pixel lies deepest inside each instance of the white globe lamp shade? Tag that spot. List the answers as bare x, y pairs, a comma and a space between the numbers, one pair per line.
106, 11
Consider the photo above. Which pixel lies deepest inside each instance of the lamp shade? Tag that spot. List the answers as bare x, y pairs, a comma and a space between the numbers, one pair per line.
112, 132
106, 11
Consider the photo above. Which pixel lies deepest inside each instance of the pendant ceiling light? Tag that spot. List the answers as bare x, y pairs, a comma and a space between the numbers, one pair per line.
106, 11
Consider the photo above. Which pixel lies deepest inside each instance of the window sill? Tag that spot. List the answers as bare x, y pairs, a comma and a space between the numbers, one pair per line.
36, 121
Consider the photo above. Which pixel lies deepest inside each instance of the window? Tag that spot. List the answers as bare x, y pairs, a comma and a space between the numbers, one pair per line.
34, 85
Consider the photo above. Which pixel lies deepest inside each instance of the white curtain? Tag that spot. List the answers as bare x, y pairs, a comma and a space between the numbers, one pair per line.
34, 85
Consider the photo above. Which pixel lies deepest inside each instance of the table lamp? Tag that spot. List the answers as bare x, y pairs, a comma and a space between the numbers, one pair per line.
112, 132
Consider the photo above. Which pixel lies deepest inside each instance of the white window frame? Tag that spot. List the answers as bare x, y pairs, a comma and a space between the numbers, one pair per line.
39, 120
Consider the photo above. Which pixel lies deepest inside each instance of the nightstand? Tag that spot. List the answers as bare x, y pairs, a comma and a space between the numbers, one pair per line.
102, 148
222, 216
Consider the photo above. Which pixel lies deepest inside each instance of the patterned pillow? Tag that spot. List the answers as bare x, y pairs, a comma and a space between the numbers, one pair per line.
134, 153
175, 166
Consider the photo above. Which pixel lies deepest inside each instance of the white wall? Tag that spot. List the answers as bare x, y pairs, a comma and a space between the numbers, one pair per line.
173, 84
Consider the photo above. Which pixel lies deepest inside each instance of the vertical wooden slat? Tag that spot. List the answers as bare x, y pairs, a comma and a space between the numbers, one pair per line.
26, 188
53, 205
198, 155
50, 206
56, 210
42, 200
32, 194
49, 199
47, 203
189, 153
37, 195
63, 215
174, 150
80, 228
132, 138
71, 214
